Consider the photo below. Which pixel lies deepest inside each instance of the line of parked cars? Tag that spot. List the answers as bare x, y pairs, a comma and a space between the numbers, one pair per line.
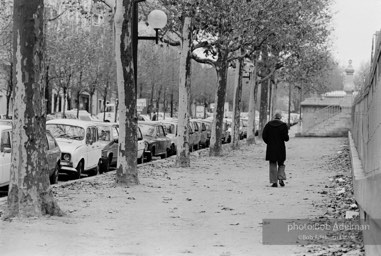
77, 147
53, 155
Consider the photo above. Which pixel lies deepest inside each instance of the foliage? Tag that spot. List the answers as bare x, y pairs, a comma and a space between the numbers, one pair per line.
6, 53
80, 54
361, 75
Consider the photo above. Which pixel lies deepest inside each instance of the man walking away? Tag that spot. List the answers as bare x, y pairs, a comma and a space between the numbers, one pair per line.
274, 135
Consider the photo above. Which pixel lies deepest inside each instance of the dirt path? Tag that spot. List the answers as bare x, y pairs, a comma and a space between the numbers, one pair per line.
215, 207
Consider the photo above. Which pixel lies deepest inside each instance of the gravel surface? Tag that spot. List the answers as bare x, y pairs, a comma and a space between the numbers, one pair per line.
215, 207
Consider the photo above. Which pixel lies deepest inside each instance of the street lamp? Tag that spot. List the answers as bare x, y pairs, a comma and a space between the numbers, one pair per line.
157, 20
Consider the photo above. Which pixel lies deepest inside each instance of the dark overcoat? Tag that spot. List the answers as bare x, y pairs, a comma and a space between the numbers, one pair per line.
274, 135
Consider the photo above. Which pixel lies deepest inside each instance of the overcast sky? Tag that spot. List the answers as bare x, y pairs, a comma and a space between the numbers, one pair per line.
355, 22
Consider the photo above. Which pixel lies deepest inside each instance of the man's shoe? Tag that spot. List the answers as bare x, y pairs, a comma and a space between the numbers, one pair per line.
281, 183
274, 185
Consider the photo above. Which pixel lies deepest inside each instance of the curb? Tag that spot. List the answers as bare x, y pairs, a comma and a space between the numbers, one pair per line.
198, 153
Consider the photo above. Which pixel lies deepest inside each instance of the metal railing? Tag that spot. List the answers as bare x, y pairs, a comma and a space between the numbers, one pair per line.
322, 115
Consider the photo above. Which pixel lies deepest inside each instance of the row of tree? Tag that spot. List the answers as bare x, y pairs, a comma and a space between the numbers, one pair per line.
280, 41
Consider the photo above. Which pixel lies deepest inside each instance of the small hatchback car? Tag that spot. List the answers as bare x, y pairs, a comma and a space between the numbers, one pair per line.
109, 137
79, 143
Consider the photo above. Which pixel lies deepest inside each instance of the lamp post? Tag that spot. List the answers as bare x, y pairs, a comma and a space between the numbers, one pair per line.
157, 20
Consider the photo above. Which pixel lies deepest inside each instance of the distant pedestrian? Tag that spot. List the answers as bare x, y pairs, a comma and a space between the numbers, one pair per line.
274, 135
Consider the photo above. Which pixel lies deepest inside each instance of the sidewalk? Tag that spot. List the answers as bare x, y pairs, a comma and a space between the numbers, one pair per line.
215, 207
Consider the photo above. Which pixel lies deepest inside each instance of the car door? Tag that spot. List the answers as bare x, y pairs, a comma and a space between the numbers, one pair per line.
95, 148
197, 131
191, 135
89, 148
141, 143
166, 140
114, 149
203, 132
160, 138
53, 152
5, 157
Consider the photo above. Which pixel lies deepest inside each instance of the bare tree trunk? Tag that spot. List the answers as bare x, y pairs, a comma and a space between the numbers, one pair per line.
158, 102
236, 106
172, 103
77, 99
64, 102
126, 171
289, 104
263, 107
29, 188
182, 137
151, 100
79, 93
104, 100
205, 106
274, 98
9, 90
91, 103
253, 96
56, 101
270, 97
164, 102
218, 113
48, 91
116, 111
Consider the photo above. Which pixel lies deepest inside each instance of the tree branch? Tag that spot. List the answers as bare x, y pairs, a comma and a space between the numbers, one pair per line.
203, 60
108, 3
200, 45
59, 15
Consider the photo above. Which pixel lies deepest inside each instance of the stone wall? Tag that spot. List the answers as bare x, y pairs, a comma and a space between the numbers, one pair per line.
327, 120
366, 133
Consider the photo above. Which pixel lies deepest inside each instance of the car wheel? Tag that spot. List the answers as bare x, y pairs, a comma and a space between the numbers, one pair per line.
96, 171
54, 177
173, 149
162, 156
141, 159
105, 167
149, 157
80, 169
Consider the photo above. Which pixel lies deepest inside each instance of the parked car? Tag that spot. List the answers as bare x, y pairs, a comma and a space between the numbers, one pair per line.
5, 154
241, 128
226, 129
53, 155
208, 126
108, 115
225, 135
144, 118
196, 132
172, 129
83, 115
245, 125
203, 132
109, 136
79, 143
158, 144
